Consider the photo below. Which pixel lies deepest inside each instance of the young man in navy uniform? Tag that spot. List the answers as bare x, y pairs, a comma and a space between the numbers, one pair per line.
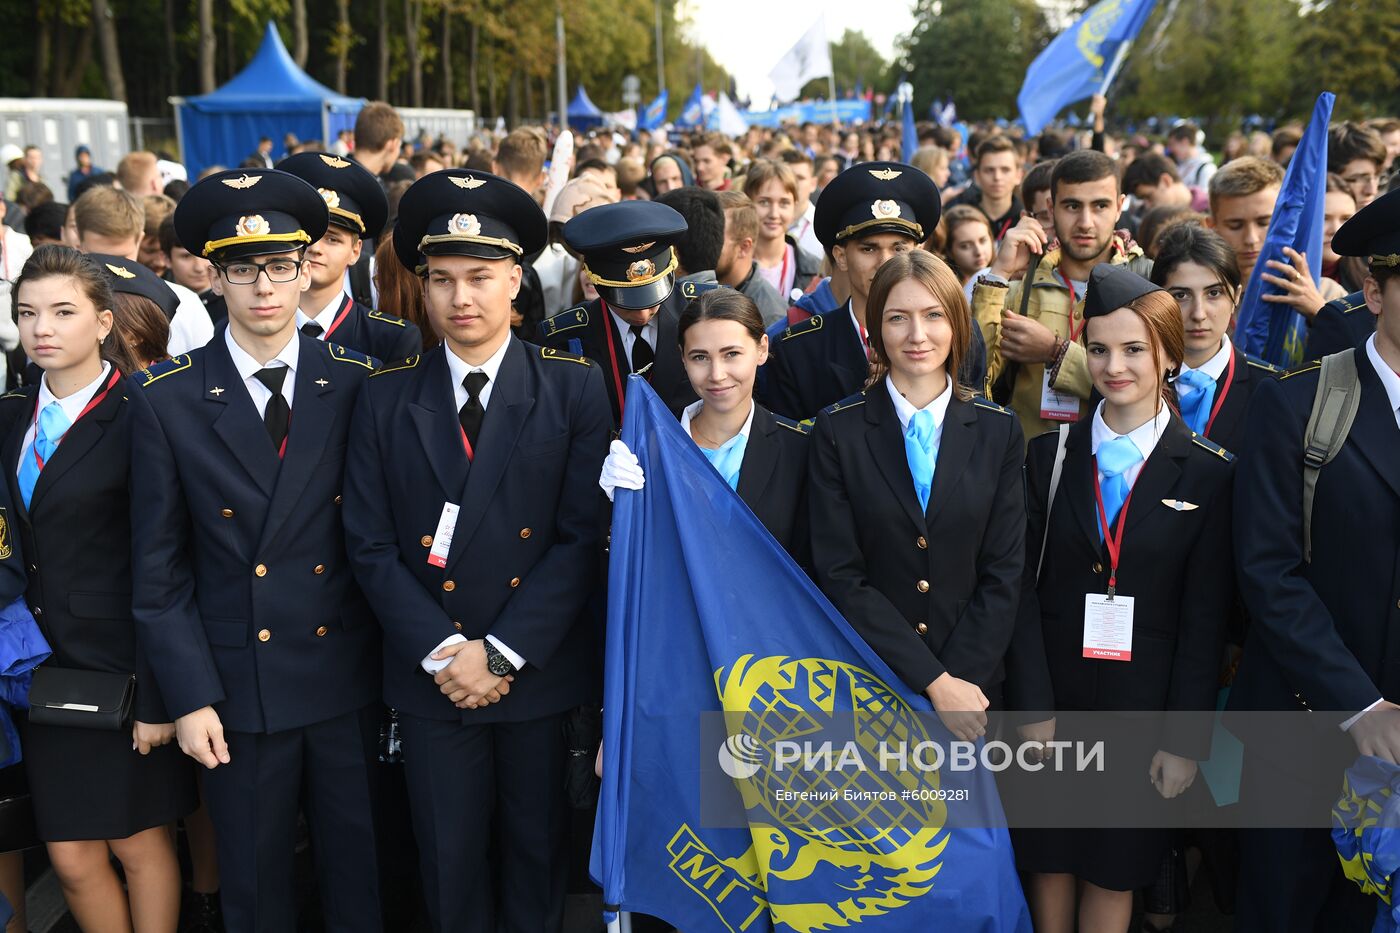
264, 649
1340, 324
1321, 636
629, 256
866, 214
473, 526
358, 209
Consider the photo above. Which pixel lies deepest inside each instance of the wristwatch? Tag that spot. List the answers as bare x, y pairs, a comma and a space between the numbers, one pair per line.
496, 662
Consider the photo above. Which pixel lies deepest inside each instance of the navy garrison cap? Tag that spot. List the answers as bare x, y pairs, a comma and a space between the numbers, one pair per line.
353, 196
456, 212
249, 212
1111, 287
1373, 231
132, 278
877, 197
627, 251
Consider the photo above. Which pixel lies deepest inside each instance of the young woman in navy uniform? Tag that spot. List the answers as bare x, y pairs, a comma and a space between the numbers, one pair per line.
66, 448
916, 500
762, 456
1141, 509
1197, 268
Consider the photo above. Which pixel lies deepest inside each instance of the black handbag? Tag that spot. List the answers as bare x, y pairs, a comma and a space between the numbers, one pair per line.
62, 696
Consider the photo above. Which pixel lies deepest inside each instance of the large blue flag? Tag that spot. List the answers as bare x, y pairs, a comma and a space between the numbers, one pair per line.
709, 619
655, 112
693, 113
1075, 65
1273, 331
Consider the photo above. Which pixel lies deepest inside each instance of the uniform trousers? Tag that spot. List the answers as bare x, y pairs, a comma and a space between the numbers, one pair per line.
323, 769
491, 820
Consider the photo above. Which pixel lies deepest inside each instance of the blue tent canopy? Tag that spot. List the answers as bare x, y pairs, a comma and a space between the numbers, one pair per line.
583, 113
271, 97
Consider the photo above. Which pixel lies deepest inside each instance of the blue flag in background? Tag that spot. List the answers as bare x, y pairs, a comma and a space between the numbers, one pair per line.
655, 113
911, 136
709, 618
1276, 332
1074, 65
693, 113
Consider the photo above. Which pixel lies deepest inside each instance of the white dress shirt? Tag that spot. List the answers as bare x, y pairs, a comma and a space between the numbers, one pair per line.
325, 317
690, 411
72, 406
649, 331
1144, 437
1213, 367
906, 411
191, 327
459, 368
248, 368
804, 230
860, 331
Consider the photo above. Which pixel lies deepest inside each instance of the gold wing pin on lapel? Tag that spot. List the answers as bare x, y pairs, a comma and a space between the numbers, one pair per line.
1180, 505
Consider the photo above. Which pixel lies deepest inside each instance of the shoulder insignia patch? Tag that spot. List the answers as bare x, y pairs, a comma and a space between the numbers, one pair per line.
549, 353
159, 371
696, 289
1353, 306
567, 320
813, 323
1305, 368
849, 402
1262, 364
346, 355
386, 318
17, 393
989, 405
409, 363
801, 427
1207, 444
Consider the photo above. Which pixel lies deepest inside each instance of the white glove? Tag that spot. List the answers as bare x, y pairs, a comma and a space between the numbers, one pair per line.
621, 470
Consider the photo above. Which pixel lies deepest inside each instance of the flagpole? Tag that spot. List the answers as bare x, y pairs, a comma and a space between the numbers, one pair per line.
1114, 66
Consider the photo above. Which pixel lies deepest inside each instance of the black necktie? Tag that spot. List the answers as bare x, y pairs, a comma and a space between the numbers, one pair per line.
472, 411
278, 414
312, 330
642, 355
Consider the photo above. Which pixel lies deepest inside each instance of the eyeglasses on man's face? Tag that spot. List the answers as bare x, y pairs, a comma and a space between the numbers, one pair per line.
244, 272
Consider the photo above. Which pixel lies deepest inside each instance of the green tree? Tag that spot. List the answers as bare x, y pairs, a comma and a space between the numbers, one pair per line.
974, 50
1351, 52
855, 61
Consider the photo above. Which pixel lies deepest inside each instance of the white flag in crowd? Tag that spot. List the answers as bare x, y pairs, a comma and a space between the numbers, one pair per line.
809, 58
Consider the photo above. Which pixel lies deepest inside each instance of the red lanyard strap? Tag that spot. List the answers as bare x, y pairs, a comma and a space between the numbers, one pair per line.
612, 358
340, 318
92, 403
1113, 541
1074, 332
1220, 399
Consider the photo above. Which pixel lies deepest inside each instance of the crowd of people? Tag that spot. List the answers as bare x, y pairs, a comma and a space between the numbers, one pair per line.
310, 449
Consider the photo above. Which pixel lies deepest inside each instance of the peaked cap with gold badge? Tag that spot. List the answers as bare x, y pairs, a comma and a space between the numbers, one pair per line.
456, 212
130, 277
877, 197
353, 196
249, 212
628, 251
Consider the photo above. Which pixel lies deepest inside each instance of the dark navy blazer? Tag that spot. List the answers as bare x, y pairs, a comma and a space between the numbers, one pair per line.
524, 554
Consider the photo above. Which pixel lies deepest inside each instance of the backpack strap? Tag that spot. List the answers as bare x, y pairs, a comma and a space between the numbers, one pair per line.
1333, 411
1054, 485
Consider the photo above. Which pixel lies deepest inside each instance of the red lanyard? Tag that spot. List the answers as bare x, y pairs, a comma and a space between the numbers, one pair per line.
466, 444
1220, 399
1004, 227
340, 318
1113, 542
612, 357
784, 286
93, 403
1074, 332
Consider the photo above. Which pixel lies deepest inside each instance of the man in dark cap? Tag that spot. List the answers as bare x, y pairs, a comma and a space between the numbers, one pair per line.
357, 209
629, 255
1319, 584
473, 527
866, 215
263, 647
